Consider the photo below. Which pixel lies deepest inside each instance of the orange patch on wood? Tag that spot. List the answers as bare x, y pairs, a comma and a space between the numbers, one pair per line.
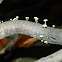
3, 41
57, 27
25, 41
21, 40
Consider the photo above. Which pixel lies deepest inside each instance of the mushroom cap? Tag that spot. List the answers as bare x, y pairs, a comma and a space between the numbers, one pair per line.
17, 16
36, 18
10, 19
26, 17
1, 21
41, 36
53, 25
46, 42
45, 20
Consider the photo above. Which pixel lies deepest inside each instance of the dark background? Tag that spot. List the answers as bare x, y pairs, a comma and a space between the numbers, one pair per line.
50, 9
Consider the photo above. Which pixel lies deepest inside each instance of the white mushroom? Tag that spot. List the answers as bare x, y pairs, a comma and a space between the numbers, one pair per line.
41, 40
53, 26
45, 42
11, 19
2, 21
17, 17
36, 19
45, 20
41, 36
14, 19
27, 18
45, 25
